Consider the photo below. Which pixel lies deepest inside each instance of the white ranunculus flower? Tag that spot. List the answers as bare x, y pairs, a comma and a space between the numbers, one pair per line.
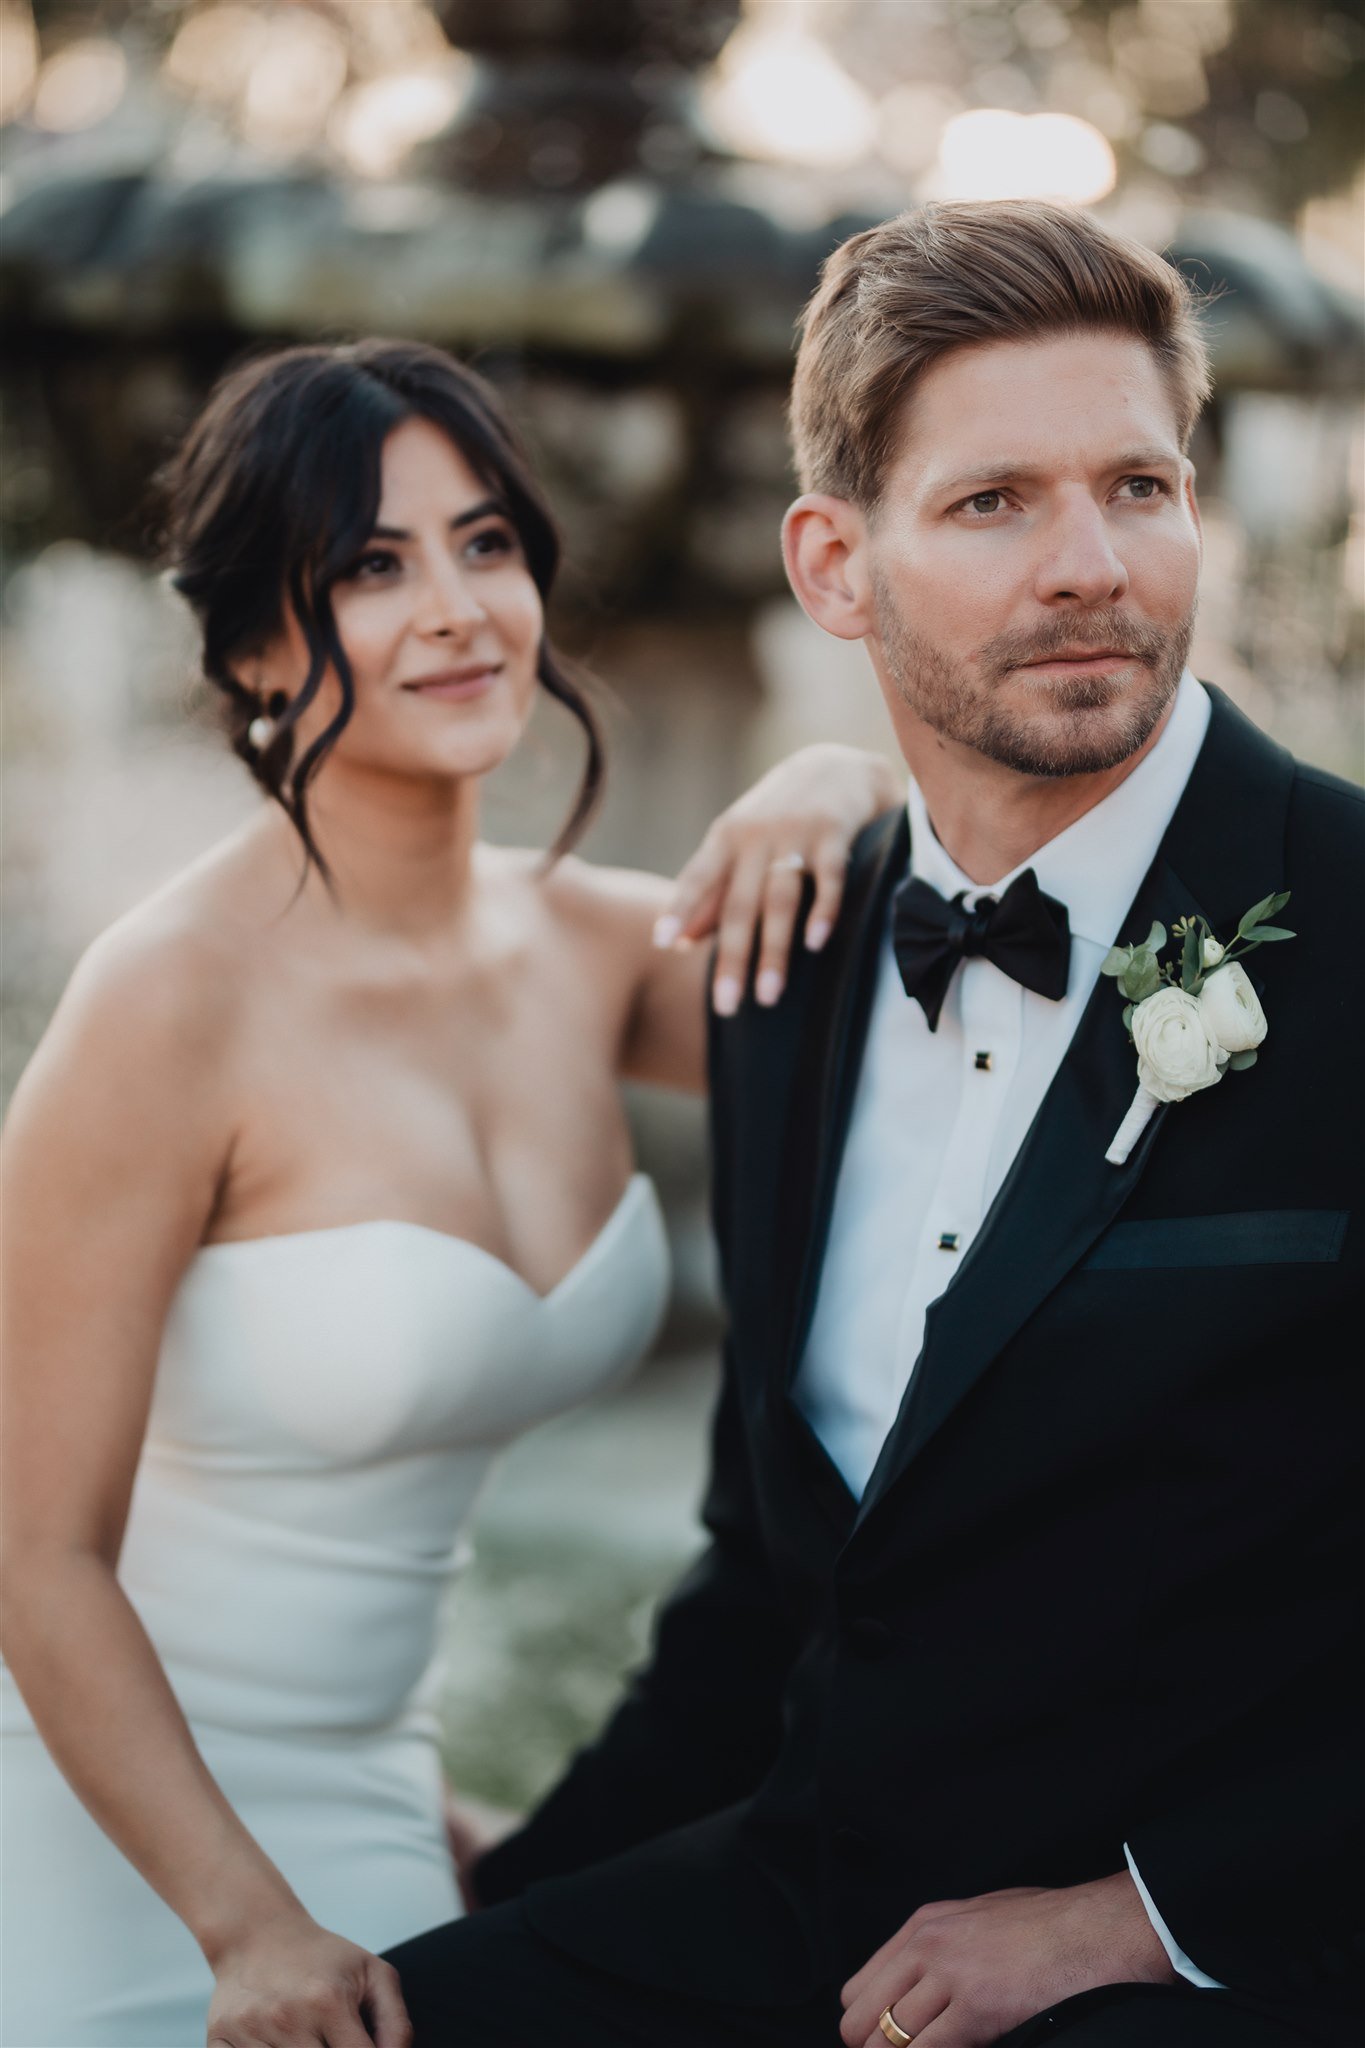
1231, 1010
1213, 952
1176, 1053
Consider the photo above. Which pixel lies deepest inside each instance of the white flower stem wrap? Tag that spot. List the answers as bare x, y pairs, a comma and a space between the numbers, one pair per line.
1141, 1110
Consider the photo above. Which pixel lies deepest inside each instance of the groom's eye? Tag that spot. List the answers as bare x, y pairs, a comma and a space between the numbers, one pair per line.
985, 502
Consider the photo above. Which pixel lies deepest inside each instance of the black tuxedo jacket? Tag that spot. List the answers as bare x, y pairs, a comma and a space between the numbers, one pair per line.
1102, 1586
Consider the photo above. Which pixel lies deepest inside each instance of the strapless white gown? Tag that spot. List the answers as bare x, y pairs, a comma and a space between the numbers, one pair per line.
327, 1406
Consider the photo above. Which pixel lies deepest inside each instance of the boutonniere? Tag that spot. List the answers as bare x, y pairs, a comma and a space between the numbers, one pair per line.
1191, 1019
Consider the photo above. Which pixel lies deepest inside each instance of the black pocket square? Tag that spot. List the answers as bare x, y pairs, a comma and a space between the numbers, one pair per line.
1252, 1237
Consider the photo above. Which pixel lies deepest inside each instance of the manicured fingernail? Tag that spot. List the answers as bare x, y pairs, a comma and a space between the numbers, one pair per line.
768, 987
725, 996
666, 931
817, 931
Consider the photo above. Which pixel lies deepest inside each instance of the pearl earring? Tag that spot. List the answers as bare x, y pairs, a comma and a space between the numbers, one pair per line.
260, 733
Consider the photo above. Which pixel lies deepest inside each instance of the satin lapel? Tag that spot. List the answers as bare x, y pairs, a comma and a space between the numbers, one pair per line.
833, 1032
1228, 836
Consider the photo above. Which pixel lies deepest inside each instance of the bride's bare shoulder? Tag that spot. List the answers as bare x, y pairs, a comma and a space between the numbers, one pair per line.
171, 977
615, 905
132, 1101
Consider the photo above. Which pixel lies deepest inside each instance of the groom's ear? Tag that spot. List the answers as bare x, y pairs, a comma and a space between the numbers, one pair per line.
1192, 503
824, 545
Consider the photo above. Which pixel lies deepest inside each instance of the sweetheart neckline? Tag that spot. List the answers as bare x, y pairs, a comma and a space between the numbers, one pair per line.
282, 1237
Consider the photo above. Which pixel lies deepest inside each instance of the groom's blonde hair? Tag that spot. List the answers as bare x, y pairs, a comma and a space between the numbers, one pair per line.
894, 299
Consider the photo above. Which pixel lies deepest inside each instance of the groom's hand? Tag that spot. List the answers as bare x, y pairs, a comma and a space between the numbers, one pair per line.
961, 1973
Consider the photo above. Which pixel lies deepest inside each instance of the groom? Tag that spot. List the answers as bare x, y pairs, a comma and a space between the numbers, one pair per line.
1014, 1698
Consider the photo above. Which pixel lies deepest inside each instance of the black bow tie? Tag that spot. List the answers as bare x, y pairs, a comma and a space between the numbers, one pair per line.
1025, 933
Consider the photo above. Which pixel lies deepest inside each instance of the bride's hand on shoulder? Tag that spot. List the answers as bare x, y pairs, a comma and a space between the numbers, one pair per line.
294, 1985
746, 880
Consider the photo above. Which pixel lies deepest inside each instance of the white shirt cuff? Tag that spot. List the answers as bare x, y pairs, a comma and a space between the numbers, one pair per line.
1180, 1962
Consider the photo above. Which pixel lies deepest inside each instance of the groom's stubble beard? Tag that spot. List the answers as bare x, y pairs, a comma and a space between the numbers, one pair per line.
963, 704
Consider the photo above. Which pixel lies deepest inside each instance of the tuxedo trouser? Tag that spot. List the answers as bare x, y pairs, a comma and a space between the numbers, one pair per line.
490, 1981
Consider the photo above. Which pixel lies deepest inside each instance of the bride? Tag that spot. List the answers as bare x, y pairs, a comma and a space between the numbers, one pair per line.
319, 1190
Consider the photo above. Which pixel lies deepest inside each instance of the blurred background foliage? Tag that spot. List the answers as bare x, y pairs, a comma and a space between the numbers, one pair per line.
617, 208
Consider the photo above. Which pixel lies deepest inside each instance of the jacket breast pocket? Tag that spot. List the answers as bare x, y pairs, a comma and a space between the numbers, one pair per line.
1251, 1237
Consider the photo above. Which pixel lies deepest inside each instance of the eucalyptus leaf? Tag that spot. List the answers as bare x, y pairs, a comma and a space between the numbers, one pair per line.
1115, 960
1265, 908
1277, 903
1141, 977
1128, 1010
1266, 934
1156, 938
1240, 1061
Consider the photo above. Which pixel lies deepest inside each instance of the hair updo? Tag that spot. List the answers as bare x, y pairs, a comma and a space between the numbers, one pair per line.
275, 491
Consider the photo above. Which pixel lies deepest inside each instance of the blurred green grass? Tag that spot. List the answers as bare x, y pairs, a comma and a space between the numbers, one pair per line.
544, 1646
586, 1524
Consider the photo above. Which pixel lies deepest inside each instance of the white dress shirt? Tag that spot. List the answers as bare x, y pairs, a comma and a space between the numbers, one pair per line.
939, 1116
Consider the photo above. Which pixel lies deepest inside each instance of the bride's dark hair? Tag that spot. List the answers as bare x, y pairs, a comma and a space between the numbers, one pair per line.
275, 491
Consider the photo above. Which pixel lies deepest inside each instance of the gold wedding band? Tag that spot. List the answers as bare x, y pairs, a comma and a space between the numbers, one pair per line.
897, 2036
794, 861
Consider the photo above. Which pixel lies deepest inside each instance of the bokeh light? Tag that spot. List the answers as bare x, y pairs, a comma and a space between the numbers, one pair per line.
213, 52
378, 123
991, 153
18, 56
80, 85
778, 93
294, 82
